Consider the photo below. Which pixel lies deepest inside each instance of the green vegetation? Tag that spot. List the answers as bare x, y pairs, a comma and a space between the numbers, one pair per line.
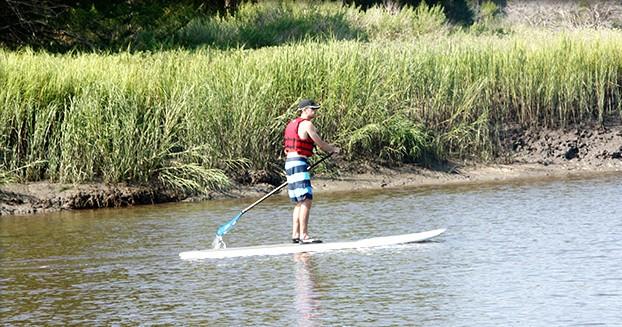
273, 24
190, 119
140, 25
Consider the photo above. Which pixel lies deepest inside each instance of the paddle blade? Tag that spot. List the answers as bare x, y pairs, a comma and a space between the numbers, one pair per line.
224, 228
218, 243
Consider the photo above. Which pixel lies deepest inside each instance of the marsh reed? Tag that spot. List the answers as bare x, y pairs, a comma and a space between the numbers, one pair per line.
192, 119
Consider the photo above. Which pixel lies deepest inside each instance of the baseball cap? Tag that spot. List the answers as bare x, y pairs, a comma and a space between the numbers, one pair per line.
307, 103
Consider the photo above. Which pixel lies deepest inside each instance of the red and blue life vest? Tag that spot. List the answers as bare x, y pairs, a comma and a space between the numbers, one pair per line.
293, 142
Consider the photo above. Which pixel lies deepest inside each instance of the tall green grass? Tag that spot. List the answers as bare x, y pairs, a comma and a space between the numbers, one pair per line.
273, 23
189, 120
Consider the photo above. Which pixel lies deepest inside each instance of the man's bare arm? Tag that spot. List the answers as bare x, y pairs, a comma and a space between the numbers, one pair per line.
313, 134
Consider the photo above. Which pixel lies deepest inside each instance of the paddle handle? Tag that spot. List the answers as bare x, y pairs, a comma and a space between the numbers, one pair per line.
282, 186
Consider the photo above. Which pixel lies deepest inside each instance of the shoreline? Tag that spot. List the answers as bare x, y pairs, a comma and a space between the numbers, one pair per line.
43, 197
526, 155
469, 175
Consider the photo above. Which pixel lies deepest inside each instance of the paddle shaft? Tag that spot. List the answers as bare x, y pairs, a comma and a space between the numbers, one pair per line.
280, 187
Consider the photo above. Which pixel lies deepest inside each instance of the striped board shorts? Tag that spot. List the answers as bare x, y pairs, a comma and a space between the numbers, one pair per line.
298, 179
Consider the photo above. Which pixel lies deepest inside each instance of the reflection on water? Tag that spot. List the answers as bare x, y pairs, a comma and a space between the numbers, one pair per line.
522, 254
307, 303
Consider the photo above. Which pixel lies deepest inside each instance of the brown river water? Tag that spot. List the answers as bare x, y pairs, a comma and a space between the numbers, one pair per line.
546, 253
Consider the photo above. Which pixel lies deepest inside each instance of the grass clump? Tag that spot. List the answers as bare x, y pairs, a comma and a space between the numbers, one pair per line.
407, 23
398, 139
273, 23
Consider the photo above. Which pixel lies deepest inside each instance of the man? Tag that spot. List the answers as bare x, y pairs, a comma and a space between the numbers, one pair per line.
300, 139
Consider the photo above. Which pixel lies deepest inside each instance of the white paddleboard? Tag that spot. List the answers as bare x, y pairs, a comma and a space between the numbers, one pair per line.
314, 247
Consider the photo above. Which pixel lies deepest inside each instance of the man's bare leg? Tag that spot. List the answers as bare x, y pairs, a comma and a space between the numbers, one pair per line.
296, 222
303, 217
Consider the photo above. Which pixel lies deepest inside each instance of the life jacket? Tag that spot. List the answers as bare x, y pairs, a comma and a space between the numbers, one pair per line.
293, 142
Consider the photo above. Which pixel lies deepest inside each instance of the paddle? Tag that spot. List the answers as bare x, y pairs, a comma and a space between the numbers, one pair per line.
224, 228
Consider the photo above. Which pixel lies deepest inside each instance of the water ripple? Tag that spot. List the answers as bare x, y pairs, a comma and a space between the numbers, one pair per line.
519, 255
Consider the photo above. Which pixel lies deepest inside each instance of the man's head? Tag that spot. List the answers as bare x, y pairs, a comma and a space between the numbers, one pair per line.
307, 108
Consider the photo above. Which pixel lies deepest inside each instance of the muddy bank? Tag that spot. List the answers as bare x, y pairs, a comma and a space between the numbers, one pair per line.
46, 197
527, 154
